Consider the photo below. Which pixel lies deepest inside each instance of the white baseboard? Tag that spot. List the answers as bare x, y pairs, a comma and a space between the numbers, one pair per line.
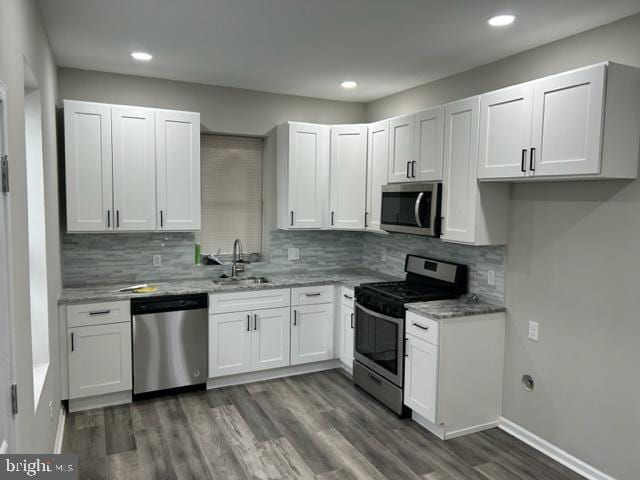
466, 431
99, 401
552, 451
260, 376
57, 446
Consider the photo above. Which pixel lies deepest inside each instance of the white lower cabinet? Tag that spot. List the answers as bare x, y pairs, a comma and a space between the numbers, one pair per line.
453, 372
312, 333
240, 342
99, 359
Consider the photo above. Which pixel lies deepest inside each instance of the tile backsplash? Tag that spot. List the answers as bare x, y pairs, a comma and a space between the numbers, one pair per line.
91, 259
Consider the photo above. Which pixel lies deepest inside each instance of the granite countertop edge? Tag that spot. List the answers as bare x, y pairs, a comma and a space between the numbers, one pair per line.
446, 309
109, 293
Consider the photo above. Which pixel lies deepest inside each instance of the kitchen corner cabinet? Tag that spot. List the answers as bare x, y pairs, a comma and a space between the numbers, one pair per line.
472, 214
453, 372
131, 168
579, 124
302, 175
377, 167
348, 189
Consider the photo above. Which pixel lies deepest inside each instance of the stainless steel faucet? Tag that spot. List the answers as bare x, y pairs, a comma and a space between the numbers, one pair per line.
238, 259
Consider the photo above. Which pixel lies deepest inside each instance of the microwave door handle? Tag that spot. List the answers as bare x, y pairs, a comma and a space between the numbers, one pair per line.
416, 209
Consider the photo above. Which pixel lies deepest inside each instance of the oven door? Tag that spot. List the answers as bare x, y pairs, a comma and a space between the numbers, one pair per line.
379, 343
411, 208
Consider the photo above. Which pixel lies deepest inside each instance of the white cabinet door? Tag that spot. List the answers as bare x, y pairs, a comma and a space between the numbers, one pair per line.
348, 176
460, 186
312, 333
567, 122
347, 325
308, 174
134, 168
428, 149
421, 378
377, 168
271, 338
178, 170
400, 148
87, 133
229, 343
505, 132
99, 359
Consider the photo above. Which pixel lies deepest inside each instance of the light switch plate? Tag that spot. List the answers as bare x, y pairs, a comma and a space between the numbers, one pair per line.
157, 260
293, 253
534, 330
491, 277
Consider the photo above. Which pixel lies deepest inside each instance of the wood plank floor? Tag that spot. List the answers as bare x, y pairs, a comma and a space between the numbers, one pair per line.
315, 426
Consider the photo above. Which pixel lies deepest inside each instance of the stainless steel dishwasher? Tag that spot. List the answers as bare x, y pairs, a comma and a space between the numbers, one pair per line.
169, 342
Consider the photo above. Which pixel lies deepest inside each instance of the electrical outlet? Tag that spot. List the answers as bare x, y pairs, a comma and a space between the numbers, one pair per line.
293, 253
534, 330
157, 260
491, 276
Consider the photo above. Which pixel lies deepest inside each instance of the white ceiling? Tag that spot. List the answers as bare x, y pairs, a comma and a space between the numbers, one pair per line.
306, 47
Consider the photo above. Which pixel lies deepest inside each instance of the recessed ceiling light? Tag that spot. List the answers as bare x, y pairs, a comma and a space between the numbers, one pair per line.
349, 84
501, 20
143, 56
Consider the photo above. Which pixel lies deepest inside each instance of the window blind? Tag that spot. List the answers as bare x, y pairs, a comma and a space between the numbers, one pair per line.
231, 176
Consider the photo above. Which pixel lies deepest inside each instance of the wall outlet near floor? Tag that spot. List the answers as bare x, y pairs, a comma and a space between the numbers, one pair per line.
157, 260
293, 253
534, 330
491, 276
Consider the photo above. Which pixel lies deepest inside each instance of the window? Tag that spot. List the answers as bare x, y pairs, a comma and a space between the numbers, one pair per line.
38, 291
231, 193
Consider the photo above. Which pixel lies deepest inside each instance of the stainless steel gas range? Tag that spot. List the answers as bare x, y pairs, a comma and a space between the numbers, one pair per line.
378, 367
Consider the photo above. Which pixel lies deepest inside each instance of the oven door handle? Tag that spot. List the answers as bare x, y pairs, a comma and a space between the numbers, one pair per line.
416, 209
379, 315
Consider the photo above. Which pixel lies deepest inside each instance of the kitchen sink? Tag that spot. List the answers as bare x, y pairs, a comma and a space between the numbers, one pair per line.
241, 281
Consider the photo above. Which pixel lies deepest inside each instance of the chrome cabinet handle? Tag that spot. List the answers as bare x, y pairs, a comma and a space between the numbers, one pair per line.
248, 323
99, 312
420, 326
416, 209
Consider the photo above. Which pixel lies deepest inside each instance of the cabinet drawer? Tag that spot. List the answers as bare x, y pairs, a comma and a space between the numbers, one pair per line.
98, 313
346, 297
422, 327
246, 301
312, 295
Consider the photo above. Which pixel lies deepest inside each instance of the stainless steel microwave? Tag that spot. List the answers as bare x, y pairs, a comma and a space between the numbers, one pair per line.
412, 208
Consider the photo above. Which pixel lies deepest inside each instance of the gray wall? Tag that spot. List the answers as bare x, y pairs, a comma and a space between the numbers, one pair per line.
573, 266
22, 37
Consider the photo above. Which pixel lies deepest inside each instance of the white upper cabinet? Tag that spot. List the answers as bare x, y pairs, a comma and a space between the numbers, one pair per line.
377, 168
473, 214
401, 133
303, 175
428, 148
505, 132
87, 131
580, 124
134, 168
130, 168
567, 123
178, 170
348, 177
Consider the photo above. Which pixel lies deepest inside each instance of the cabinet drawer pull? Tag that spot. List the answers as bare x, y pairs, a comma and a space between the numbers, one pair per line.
348, 297
73, 343
99, 312
532, 160
317, 294
420, 326
523, 163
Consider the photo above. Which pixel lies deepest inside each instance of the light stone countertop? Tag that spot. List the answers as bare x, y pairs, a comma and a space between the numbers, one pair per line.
443, 309
109, 293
